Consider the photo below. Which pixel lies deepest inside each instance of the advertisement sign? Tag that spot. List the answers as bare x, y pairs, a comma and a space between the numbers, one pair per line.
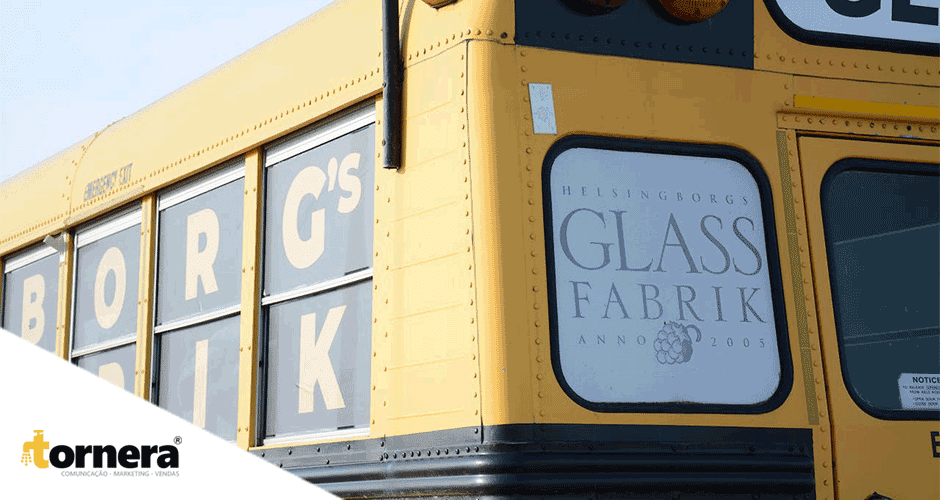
661, 279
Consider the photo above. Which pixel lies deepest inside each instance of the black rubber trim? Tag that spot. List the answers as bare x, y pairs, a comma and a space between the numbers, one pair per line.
840, 40
773, 266
868, 165
564, 460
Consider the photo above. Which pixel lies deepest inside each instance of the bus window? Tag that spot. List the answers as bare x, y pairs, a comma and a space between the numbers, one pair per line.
104, 328
881, 224
317, 280
199, 255
30, 290
662, 279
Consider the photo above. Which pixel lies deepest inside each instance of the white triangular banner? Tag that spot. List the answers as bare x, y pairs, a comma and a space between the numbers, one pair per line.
75, 409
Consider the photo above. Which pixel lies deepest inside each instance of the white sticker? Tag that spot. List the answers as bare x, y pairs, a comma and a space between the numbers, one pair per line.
543, 108
919, 391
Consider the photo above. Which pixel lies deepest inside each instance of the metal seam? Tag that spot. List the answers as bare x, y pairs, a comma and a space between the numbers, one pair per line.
806, 361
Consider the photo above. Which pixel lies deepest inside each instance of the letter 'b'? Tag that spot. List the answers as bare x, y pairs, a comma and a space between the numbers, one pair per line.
32, 309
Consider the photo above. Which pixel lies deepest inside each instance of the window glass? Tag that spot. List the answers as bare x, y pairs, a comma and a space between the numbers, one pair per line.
883, 238
319, 371
319, 218
197, 332
199, 375
317, 280
30, 295
114, 365
200, 253
660, 278
106, 286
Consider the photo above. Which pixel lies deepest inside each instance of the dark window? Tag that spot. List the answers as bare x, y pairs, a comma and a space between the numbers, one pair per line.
881, 224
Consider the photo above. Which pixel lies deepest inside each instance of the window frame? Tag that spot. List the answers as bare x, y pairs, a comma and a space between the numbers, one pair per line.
215, 177
299, 142
19, 260
778, 303
90, 233
865, 165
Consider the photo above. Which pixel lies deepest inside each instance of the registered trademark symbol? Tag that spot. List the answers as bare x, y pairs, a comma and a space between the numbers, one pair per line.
177, 440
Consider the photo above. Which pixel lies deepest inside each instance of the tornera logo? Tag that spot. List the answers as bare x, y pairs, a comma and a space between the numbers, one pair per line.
101, 456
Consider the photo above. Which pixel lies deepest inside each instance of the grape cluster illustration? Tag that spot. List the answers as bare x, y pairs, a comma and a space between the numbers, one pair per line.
673, 343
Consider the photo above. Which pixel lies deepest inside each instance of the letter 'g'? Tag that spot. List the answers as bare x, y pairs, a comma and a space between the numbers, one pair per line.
34, 291
107, 314
303, 253
199, 263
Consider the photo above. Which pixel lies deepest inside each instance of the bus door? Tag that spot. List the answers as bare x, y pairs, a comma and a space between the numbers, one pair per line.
874, 241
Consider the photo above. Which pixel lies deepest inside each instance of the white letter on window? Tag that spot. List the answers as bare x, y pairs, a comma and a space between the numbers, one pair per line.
315, 363
113, 373
107, 314
349, 183
300, 253
199, 263
201, 373
34, 291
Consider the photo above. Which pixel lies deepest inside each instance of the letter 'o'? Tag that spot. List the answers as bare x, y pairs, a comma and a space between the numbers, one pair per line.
112, 261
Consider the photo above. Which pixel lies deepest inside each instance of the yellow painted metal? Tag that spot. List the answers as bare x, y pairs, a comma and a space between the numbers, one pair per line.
382, 285
63, 326
654, 101
808, 371
859, 125
796, 241
500, 241
865, 107
42, 195
251, 300
889, 93
145, 289
893, 457
430, 315
427, 31
776, 51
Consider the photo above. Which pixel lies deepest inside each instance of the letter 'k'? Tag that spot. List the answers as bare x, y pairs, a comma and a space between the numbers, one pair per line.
315, 363
38, 445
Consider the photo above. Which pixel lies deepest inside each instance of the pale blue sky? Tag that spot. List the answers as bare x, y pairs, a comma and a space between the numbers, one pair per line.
70, 68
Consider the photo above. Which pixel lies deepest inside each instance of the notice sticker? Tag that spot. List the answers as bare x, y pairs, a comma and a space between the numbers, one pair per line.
919, 391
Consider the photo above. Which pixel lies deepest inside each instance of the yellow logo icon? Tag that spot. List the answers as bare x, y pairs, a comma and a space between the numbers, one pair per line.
33, 451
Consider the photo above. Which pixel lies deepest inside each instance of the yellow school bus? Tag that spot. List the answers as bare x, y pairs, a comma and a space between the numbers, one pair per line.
553, 248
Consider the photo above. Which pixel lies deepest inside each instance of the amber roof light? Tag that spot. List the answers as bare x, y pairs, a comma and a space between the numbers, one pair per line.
693, 10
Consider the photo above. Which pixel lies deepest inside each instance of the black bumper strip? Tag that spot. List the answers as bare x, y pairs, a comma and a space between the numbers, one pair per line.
561, 461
